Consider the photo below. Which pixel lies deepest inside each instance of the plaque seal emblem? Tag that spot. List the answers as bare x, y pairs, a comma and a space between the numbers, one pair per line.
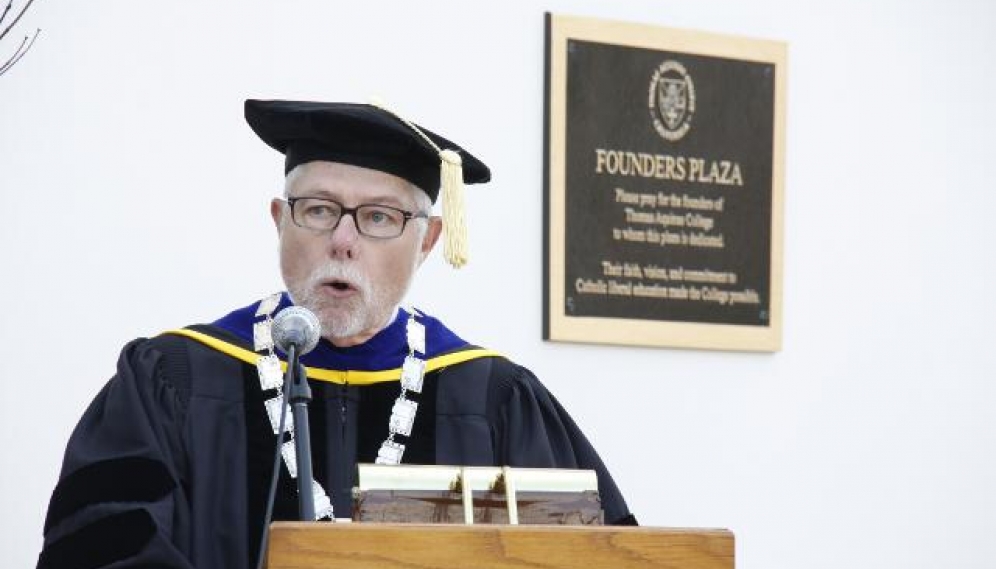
671, 100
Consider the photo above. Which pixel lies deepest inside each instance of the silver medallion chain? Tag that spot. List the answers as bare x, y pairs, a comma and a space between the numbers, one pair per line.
404, 410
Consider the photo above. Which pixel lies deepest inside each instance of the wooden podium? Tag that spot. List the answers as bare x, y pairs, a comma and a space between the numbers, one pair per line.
300, 545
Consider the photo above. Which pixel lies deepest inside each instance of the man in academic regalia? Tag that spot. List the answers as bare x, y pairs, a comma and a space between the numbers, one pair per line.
170, 465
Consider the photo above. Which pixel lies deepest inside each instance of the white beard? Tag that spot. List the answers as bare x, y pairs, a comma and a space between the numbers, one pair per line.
369, 311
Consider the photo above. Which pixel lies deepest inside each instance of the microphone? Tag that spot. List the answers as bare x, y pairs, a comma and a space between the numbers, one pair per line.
298, 327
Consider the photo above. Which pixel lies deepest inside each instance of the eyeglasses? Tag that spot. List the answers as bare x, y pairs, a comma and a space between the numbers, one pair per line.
372, 220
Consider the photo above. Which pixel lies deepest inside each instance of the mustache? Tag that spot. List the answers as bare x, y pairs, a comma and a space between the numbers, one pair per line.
339, 271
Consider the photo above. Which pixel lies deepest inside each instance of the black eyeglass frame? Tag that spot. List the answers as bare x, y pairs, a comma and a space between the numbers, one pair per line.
351, 211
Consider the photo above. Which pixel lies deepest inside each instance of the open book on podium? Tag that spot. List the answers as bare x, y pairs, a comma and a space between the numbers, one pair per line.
486, 517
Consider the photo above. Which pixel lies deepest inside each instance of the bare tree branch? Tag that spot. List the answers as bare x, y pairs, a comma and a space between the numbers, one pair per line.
5, 10
19, 53
16, 51
21, 13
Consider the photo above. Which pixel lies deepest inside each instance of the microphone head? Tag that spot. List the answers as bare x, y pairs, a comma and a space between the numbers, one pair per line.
296, 326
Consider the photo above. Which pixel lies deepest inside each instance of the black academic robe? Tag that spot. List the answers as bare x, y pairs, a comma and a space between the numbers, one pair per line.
171, 463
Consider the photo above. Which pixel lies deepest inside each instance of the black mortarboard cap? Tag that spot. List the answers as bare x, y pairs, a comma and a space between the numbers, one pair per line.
358, 134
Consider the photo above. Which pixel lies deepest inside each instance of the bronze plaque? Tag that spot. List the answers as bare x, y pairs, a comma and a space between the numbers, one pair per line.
663, 174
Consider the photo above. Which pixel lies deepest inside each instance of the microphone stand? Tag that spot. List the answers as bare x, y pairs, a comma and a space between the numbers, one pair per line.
299, 396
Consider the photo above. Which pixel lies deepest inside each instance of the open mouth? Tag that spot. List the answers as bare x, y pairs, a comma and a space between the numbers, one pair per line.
340, 286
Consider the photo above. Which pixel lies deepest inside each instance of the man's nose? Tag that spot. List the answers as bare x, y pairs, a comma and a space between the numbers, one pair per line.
345, 237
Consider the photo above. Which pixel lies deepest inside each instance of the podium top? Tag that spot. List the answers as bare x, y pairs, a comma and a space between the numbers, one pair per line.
300, 545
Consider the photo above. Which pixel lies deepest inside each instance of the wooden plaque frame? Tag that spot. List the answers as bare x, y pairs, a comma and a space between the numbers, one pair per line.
687, 331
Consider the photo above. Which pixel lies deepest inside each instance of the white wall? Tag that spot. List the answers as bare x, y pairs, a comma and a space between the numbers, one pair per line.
135, 200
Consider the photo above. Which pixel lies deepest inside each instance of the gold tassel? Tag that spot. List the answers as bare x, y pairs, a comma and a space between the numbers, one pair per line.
455, 248
454, 224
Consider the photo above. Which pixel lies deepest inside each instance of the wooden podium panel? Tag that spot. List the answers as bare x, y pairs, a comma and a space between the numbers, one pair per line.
299, 545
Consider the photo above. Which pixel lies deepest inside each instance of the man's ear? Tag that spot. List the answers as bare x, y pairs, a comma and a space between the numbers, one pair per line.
432, 231
277, 211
